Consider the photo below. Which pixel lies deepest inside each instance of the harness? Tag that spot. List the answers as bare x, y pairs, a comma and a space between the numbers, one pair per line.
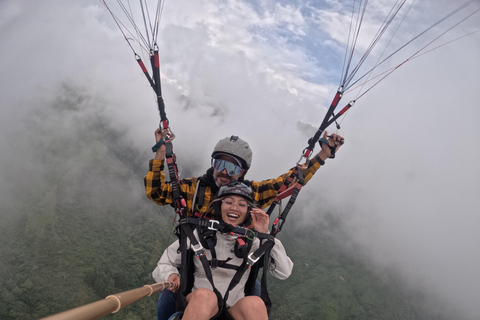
207, 230
198, 209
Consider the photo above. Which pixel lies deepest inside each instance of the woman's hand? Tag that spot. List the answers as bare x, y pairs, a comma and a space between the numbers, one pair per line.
260, 220
175, 278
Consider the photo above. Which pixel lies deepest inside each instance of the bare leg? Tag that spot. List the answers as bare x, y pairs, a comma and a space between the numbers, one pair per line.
201, 305
249, 308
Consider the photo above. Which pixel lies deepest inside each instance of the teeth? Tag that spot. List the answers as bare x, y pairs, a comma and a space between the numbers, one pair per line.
234, 216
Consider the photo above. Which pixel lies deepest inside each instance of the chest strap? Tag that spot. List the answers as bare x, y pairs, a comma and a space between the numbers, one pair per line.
223, 227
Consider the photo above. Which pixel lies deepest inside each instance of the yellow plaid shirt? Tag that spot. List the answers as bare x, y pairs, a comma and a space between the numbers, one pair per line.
264, 191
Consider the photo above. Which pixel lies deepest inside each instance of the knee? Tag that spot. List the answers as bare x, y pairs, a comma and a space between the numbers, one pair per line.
201, 303
203, 296
251, 307
256, 305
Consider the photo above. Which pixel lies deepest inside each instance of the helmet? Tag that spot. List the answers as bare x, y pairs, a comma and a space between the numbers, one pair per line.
235, 147
236, 188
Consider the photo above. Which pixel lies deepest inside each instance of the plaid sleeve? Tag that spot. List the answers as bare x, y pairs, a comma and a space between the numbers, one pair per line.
160, 191
156, 188
265, 191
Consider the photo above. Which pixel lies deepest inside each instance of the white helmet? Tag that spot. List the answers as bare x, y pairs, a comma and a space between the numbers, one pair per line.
234, 147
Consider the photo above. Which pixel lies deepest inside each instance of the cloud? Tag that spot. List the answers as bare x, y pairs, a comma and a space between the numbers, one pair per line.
404, 184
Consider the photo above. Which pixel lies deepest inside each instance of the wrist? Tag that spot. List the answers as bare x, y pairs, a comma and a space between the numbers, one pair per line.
261, 230
323, 155
159, 156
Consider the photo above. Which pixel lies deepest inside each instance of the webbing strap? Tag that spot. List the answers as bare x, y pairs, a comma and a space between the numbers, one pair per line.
246, 264
330, 117
225, 227
158, 145
265, 248
241, 269
236, 278
280, 220
185, 229
248, 260
155, 62
264, 291
222, 264
178, 201
201, 255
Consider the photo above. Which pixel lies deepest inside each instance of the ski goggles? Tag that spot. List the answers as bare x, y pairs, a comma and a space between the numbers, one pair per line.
232, 169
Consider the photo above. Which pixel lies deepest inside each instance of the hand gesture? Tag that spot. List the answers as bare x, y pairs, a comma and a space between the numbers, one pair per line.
260, 220
334, 143
159, 135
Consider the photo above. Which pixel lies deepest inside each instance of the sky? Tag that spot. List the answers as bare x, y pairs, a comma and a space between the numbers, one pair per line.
405, 184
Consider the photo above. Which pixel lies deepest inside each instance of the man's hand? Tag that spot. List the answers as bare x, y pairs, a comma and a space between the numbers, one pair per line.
159, 135
334, 140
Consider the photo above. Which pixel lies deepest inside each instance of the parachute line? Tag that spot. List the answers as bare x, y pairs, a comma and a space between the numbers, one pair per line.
146, 39
386, 46
381, 31
132, 22
358, 13
347, 87
346, 47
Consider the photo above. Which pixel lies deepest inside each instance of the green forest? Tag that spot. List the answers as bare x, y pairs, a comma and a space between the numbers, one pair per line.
77, 227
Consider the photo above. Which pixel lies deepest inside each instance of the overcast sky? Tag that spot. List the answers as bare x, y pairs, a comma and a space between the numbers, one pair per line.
406, 183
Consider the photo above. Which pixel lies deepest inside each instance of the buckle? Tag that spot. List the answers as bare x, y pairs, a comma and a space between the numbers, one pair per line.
251, 261
198, 249
211, 225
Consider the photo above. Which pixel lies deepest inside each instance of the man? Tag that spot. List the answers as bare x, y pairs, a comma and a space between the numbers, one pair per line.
231, 159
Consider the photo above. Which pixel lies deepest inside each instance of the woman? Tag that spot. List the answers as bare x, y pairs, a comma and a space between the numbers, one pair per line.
233, 205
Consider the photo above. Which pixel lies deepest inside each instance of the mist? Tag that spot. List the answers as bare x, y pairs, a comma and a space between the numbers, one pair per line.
404, 187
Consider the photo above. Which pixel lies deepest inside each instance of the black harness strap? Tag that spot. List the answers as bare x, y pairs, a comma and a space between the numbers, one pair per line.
178, 201
186, 232
291, 191
262, 255
155, 62
208, 238
201, 199
226, 228
244, 244
222, 264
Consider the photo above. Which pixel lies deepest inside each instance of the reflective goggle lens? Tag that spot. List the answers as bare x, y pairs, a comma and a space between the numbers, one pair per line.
232, 169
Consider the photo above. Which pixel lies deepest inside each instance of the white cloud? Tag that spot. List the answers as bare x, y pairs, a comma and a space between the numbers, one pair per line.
405, 183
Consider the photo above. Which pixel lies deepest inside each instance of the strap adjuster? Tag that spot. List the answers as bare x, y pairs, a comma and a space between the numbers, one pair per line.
211, 225
198, 249
251, 261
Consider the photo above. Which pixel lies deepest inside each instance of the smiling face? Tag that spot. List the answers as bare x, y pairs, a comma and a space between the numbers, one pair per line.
234, 209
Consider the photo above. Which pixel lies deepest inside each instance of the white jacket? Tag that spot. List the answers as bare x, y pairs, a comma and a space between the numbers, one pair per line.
170, 261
